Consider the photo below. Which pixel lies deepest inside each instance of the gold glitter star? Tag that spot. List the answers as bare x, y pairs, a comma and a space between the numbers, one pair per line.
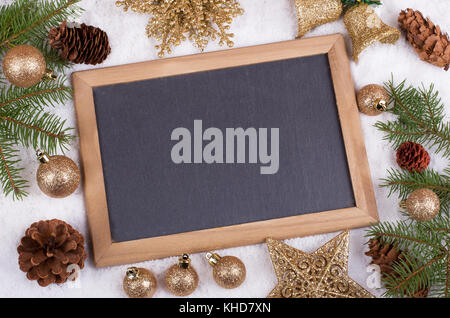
322, 274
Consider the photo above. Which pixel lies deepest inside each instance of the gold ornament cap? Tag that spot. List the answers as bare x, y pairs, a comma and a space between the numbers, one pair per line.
372, 100
42, 156
184, 261
213, 258
422, 205
312, 13
365, 28
139, 283
24, 66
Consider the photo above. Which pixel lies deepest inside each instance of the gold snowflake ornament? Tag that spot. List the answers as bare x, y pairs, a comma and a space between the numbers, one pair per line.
322, 274
174, 21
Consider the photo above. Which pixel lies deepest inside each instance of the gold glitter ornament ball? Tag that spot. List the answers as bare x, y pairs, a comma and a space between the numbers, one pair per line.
57, 176
139, 283
422, 204
372, 100
228, 271
24, 66
181, 279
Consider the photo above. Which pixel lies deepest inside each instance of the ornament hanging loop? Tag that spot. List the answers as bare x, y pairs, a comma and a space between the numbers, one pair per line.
213, 258
42, 156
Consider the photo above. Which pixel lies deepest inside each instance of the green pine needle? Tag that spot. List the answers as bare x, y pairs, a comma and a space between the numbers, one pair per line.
47, 93
420, 118
23, 115
10, 179
403, 183
426, 246
28, 21
350, 3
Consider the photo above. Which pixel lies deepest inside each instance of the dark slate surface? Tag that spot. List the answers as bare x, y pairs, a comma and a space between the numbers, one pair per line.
148, 195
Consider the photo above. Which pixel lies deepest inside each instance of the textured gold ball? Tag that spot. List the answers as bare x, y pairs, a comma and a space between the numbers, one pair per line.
229, 272
181, 281
24, 66
422, 204
59, 177
372, 99
139, 283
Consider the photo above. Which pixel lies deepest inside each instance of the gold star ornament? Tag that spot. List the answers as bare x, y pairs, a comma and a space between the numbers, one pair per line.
322, 274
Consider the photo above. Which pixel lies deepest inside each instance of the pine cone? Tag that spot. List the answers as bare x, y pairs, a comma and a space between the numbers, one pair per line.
385, 255
48, 248
427, 39
86, 44
412, 156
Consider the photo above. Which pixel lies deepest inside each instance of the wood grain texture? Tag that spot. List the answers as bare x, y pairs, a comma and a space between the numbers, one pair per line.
108, 253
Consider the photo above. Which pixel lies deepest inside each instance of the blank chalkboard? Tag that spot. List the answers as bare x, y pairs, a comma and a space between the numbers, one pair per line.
161, 198
291, 102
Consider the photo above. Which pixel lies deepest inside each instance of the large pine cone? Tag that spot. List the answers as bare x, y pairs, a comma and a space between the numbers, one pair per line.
413, 157
48, 248
427, 39
385, 255
86, 44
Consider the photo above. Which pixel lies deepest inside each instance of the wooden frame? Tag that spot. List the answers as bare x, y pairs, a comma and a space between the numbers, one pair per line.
107, 252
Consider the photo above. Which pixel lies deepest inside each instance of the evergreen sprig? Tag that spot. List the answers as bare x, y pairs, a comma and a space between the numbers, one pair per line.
403, 183
28, 21
23, 116
420, 117
37, 128
47, 93
10, 178
426, 246
350, 3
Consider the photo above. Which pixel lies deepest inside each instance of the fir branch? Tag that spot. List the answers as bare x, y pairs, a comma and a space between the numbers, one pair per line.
405, 235
37, 128
9, 174
24, 20
350, 3
44, 94
404, 183
52, 57
420, 117
426, 248
411, 276
23, 118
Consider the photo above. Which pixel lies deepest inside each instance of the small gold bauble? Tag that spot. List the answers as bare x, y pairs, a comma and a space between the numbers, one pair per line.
139, 283
181, 279
57, 176
228, 271
372, 99
24, 66
422, 204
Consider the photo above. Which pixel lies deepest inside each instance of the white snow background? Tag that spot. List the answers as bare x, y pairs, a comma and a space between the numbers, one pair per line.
264, 21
